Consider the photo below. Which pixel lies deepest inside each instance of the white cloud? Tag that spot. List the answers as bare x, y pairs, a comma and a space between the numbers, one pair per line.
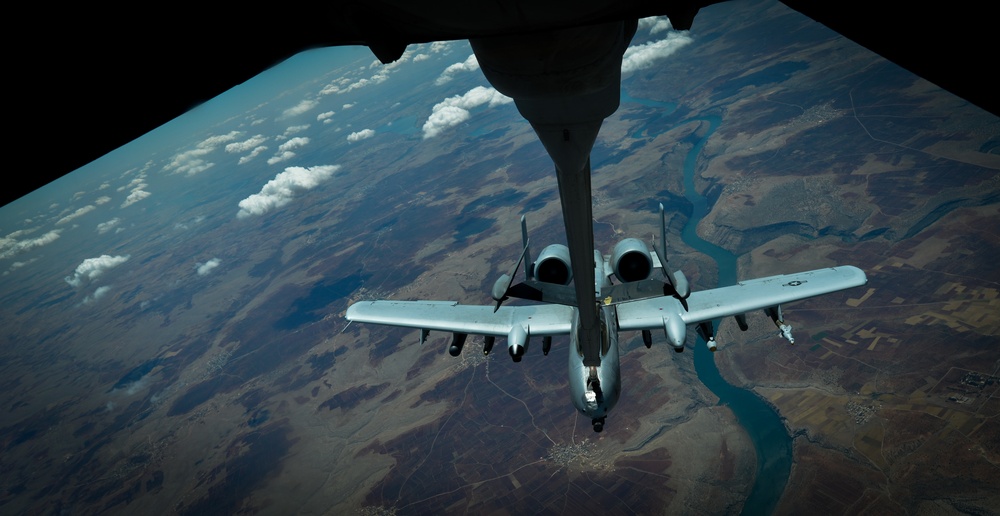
284, 187
421, 57
252, 144
281, 156
205, 268
215, 141
352, 82
191, 161
470, 64
296, 129
104, 199
98, 293
348, 106
301, 107
655, 24
329, 89
294, 143
134, 184
360, 135
15, 234
17, 265
94, 267
245, 145
286, 151
78, 213
134, 197
440, 46
11, 246
360, 83
325, 116
640, 57
104, 227
185, 225
455, 110
253, 154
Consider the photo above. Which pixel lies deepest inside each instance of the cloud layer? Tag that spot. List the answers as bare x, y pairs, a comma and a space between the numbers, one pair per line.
360, 135
286, 151
640, 57
94, 267
10, 245
303, 106
192, 161
471, 64
246, 145
205, 268
78, 213
284, 187
455, 110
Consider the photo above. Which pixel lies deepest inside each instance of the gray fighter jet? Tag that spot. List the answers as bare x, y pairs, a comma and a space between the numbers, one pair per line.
640, 299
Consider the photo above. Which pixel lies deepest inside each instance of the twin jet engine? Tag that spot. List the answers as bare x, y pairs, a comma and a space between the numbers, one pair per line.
553, 266
630, 261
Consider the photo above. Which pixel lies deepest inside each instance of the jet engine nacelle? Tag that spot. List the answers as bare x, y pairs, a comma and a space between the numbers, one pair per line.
553, 266
631, 260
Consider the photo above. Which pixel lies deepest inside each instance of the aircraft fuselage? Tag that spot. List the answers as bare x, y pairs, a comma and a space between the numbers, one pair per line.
595, 389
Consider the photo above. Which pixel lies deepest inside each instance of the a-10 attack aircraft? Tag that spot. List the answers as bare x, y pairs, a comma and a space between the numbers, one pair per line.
640, 301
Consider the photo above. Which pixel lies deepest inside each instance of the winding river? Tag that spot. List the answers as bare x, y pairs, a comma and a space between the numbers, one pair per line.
765, 428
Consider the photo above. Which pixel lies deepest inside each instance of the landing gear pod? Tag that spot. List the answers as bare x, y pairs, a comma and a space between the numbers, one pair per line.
488, 342
676, 332
647, 338
546, 344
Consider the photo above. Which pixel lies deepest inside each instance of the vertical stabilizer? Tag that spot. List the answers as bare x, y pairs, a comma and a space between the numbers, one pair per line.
677, 279
663, 239
529, 266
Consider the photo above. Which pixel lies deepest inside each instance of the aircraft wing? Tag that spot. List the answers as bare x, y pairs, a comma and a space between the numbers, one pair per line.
745, 296
470, 319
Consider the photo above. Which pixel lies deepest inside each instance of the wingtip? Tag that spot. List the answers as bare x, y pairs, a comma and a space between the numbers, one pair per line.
858, 274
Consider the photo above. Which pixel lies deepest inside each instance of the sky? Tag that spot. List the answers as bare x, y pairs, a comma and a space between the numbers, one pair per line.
270, 121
